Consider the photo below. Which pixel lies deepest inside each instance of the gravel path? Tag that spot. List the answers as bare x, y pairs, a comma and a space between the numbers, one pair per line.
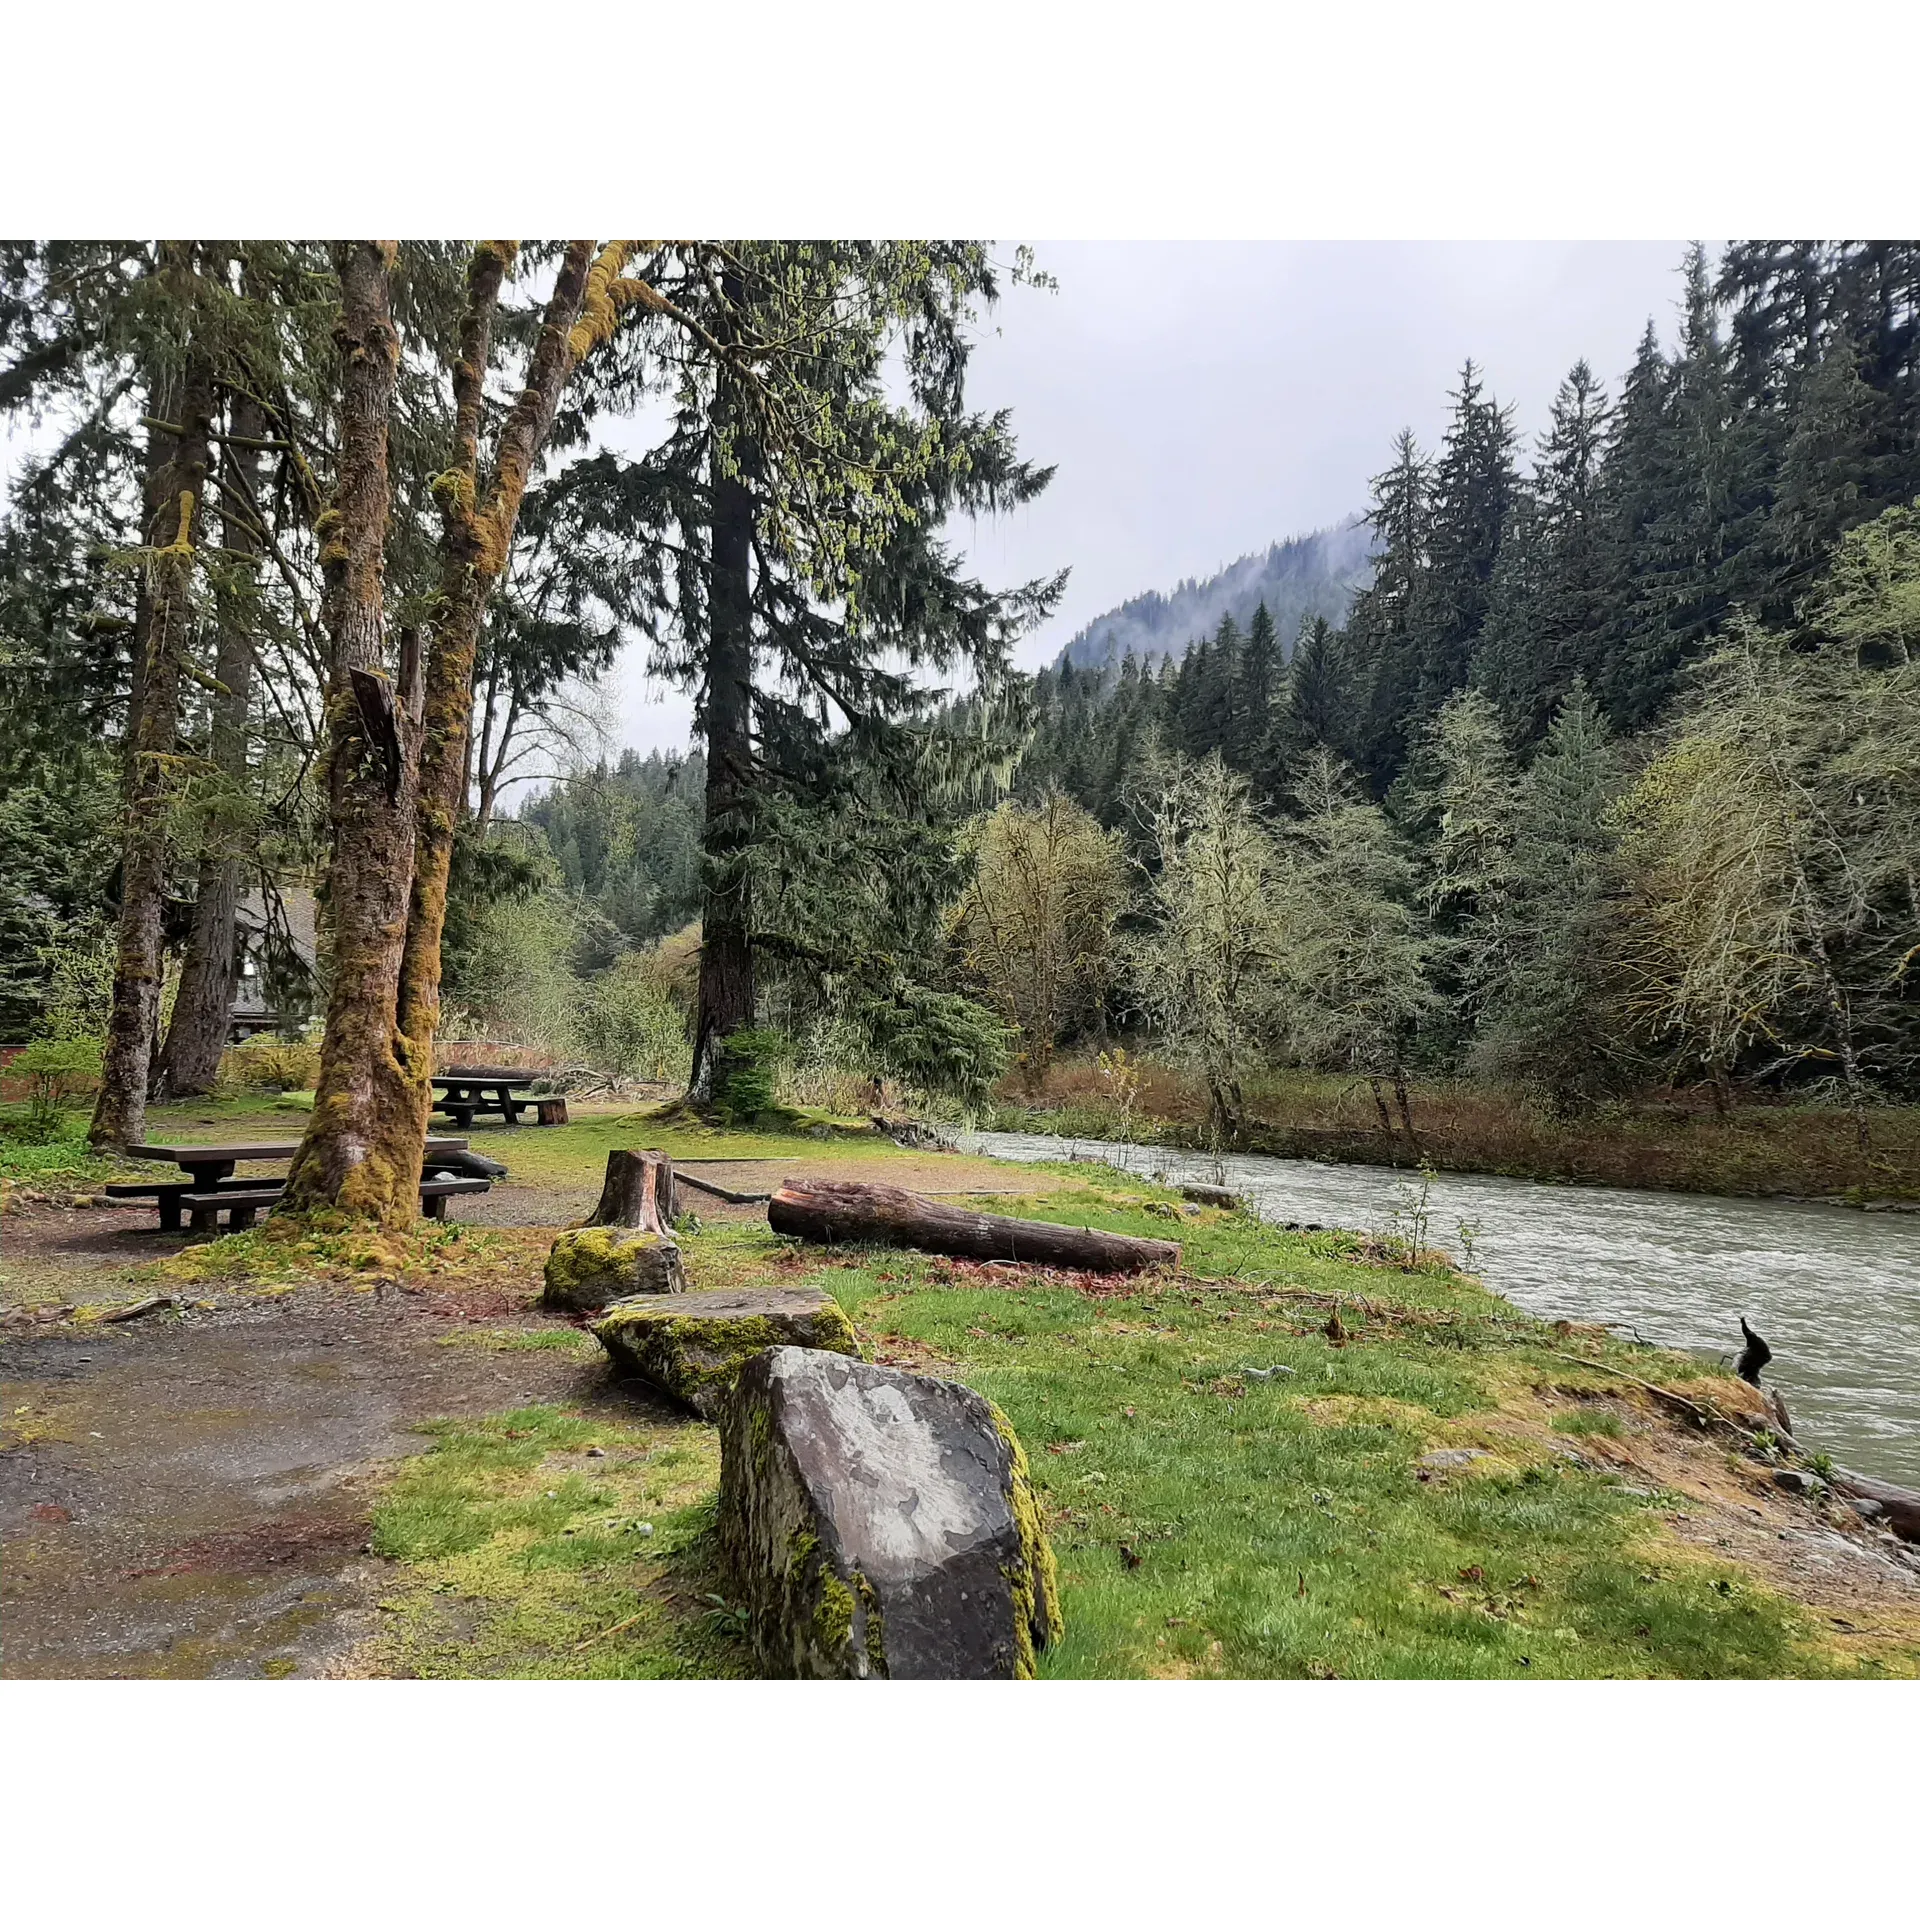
189, 1498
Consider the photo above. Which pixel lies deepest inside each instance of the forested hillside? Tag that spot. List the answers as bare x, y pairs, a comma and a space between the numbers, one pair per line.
1313, 576
1612, 775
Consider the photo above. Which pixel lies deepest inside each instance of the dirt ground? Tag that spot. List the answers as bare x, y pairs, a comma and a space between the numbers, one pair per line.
189, 1495
189, 1498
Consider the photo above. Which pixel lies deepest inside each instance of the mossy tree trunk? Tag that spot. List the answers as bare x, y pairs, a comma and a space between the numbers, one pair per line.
197, 1034
399, 756
726, 1002
174, 495
352, 1156
476, 539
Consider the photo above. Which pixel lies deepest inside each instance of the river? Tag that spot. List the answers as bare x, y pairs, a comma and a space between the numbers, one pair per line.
1833, 1290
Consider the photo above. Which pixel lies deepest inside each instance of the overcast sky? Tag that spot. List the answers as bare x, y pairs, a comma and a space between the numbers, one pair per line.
1202, 400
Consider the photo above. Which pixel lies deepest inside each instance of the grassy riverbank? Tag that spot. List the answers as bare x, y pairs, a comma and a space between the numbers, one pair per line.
1210, 1520
1760, 1147
1304, 1455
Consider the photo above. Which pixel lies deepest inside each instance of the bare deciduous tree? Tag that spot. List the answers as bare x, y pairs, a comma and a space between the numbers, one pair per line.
1035, 925
1208, 968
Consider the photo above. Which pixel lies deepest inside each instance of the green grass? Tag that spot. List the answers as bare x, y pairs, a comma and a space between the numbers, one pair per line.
520, 1555
19, 1161
1590, 1420
522, 1340
1271, 1527
1279, 1526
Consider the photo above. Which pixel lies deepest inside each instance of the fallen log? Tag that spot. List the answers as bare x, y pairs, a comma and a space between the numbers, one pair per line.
1900, 1505
834, 1211
721, 1193
638, 1191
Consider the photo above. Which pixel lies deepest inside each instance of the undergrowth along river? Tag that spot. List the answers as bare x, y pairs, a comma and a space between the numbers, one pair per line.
1835, 1290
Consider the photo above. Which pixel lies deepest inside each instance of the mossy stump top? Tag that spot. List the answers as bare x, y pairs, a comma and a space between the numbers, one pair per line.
590, 1267
691, 1346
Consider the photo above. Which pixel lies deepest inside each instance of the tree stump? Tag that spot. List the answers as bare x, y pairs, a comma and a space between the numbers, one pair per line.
626, 1245
638, 1191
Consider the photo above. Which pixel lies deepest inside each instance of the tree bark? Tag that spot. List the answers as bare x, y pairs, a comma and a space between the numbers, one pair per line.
174, 496
638, 1192
369, 1075
197, 1036
726, 1003
834, 1211
476, 539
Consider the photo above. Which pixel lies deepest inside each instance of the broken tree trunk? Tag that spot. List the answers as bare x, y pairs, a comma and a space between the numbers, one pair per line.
845, 1210
638, 1191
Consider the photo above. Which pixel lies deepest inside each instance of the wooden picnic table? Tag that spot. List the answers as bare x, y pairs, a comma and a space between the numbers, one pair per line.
208, 1163
467, 1091
209, 1167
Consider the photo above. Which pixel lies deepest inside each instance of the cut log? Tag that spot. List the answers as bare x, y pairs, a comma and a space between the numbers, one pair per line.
638, 1191
835, 1211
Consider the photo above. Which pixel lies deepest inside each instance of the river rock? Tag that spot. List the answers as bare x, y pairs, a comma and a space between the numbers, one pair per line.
1210, 1195
590, 1267
880, 1525
691, 1347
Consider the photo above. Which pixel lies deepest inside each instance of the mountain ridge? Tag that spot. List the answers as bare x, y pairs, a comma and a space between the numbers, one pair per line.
1311, 574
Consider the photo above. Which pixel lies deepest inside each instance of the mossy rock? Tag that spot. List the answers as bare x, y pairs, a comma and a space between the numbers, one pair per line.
590, 1267
693, 1346
880, 1525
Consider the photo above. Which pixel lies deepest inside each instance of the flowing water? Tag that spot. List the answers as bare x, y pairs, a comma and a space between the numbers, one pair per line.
1833, 1290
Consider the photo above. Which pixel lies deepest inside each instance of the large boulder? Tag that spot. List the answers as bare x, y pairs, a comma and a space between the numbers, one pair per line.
592, 1266
880, 1525
693, 1346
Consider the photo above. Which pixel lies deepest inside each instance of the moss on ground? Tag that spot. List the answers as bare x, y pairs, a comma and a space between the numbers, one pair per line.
518, 1553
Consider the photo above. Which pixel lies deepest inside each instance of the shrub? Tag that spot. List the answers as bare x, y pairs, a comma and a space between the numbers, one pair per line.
279, 1064
745, 1068
627, 1024
79, 995
832, 1067
942, 1043
515, 981
56, 1072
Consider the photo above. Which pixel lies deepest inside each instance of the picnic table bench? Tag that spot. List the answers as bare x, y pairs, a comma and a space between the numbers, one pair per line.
210, 1170
244, 1205
466, 1092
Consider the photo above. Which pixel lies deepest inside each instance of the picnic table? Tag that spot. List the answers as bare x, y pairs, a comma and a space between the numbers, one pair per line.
209, 1167
467, 1091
